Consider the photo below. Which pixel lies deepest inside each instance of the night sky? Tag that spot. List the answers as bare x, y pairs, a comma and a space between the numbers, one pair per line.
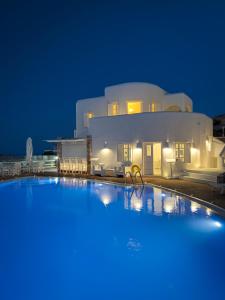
53, 53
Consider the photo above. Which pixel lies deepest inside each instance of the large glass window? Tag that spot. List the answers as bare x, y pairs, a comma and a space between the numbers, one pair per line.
134, 107
124, 152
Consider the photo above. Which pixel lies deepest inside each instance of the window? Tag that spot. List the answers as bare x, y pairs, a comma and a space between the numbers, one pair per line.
134, 107
180, 151
124, 152
114, 109
149, 150
152, 107
87, 116
183, 152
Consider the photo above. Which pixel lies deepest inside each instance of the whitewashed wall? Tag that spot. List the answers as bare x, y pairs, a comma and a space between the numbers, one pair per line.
151, 127
74, 150
121, 93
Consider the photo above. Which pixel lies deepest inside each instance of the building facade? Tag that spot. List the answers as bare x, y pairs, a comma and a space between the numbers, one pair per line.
140, 123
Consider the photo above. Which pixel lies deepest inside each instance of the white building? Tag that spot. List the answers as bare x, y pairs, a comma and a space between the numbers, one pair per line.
143, 124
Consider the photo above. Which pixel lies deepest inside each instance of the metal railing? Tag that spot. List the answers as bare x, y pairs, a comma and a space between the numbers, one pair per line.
134, 178
39, 164
131, 176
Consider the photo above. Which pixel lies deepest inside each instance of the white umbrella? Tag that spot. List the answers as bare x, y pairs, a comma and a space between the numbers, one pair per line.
29, 150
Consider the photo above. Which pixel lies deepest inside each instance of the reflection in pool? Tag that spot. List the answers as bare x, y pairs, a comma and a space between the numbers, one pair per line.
78, 239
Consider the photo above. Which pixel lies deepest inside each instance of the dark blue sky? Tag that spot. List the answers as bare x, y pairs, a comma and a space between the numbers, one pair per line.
53, 53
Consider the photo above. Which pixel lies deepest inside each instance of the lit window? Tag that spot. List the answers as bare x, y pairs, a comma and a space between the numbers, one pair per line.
114, 109
180, 151
124, 152
152, 107
134, 107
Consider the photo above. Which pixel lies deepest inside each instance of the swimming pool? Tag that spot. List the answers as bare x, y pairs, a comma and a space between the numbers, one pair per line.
79, 239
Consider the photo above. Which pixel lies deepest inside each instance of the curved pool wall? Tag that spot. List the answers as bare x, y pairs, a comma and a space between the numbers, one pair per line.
78, 239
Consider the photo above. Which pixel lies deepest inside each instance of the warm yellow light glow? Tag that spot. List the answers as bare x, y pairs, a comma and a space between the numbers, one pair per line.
208, 211
105, 198
90, 115
169, 204
194, 150
167, 152
114, 109
134, 107
208, 145
195, 206
195, 157
137, 205
105, 151
153, 107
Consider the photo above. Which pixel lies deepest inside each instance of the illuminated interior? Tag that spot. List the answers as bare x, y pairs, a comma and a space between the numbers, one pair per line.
134, 107
152, 107
115, 109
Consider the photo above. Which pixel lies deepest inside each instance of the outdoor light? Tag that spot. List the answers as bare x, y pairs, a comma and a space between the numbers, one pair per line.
166, 145
105, 144
138, 145
208, 144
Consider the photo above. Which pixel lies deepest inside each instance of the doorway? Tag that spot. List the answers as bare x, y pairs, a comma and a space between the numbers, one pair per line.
152, 158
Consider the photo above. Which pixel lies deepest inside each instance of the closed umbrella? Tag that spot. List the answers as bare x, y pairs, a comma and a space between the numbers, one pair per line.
29, 150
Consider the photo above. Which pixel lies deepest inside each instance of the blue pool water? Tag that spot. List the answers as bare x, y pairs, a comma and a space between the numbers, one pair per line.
78, 239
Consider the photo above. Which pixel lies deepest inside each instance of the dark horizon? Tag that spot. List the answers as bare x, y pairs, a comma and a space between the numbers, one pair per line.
54, 53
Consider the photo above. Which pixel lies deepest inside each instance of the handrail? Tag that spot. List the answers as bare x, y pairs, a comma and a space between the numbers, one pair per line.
128, 172
135, 175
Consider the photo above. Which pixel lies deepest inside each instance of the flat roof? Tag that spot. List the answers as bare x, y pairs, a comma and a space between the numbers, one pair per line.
65, 140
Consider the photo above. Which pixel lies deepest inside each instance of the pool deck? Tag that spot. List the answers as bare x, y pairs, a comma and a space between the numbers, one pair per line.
194, 189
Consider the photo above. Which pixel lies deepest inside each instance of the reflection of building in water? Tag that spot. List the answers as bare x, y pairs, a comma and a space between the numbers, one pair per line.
136, 203
150, 205
208, 211
158, 203
195, 206
106, 193
75, 182
148, 200
29, 196
170, 204
133, 199
105, 198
